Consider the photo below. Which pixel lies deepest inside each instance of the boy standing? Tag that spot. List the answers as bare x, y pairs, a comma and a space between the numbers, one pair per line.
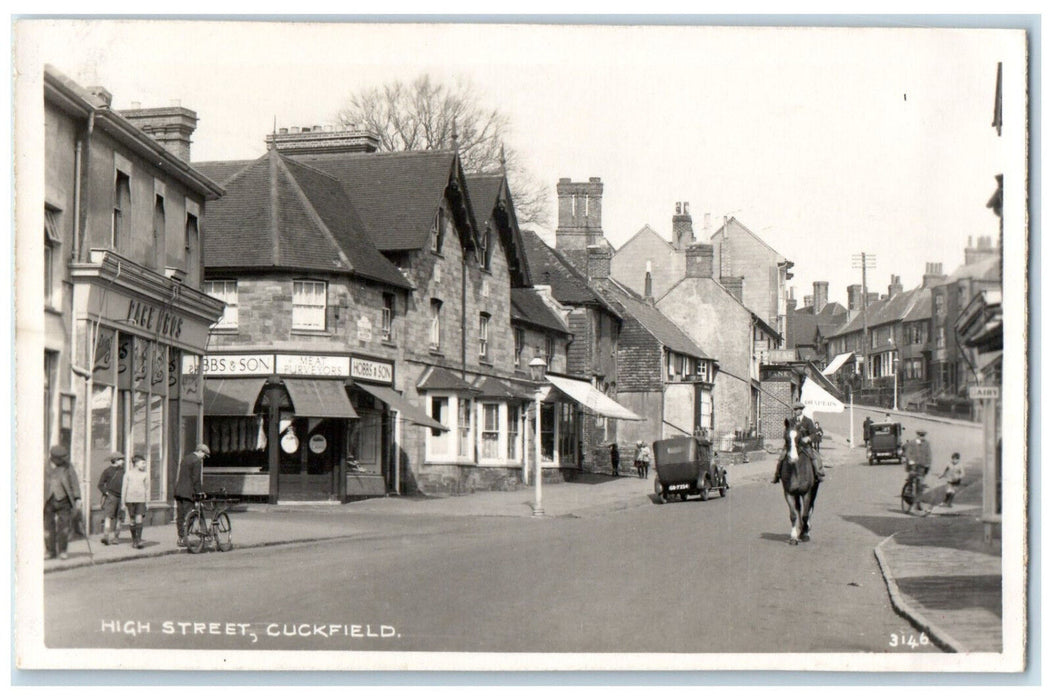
954, 474
110, 486
135, 489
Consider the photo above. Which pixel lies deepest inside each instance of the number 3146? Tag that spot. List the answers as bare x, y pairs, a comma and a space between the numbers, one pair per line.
908, 640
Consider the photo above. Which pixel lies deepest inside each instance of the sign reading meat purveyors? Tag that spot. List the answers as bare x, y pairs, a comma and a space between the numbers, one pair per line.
265, 364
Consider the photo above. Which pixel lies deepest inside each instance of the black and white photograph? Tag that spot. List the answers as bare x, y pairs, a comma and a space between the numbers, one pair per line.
485, 345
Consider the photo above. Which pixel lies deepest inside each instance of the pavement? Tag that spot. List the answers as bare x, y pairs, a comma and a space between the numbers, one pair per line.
939, 572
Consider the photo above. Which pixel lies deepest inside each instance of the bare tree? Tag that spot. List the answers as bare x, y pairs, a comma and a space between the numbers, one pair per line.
421, 116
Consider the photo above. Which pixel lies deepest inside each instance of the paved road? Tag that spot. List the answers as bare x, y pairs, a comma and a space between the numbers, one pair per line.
682, 577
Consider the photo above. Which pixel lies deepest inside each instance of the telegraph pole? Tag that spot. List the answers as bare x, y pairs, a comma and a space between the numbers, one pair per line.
864, 261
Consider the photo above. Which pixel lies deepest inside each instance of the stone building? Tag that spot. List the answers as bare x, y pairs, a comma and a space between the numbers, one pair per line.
125, 320
714, 316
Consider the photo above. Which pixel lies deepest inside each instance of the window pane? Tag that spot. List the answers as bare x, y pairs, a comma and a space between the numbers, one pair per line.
464, 427
547, 432
438, 440
101, 429
491, 431
513, 432
156, 463
138, 443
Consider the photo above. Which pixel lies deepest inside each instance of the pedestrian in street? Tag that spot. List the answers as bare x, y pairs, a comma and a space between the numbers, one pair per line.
61, 498
866, 428
615, 458
135, 490
954, 474
817, 439
642, 459
188, 483
110, 485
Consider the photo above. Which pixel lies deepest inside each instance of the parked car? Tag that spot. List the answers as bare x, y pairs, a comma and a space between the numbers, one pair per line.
885, 442
687, 466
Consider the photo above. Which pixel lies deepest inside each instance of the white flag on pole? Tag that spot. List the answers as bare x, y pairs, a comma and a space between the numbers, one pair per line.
818, 400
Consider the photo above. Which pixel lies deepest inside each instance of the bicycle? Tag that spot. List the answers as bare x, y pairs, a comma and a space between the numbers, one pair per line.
913, 493
208, 521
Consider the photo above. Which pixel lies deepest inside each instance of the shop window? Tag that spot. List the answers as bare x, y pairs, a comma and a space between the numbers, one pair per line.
387, 319
567, 432
464, 442
483, 335
436, 324
225, 291
490, 431
308, 305
514, 433
121, 209
547, 432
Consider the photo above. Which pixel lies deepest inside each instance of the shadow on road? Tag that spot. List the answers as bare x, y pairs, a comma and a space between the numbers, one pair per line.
884, 526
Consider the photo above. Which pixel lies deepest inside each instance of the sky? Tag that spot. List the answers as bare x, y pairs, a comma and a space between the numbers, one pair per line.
823, 142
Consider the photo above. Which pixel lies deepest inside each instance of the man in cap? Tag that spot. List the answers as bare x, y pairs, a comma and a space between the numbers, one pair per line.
918, 454
61, 497
188, 482
805, 433
110, 485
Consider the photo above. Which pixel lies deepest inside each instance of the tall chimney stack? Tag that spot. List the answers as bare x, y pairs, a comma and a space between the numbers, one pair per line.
599, 256
580, 218
820, 296
895, 287
682, 227
932, 275
169, 126
699, 261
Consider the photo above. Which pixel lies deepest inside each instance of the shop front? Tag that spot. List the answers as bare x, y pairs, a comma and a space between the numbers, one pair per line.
296, 427
139, 339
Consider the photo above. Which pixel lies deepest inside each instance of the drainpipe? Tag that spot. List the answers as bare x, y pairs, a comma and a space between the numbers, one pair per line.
463, 317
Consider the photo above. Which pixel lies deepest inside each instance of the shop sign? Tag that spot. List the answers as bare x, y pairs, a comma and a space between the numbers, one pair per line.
317, 444
290, 443
154, 319
371, 370
238, 365
365, 329
313, 365
979, 393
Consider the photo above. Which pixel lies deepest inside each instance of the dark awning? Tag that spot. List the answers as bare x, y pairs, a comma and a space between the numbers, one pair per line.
234, 396
441, 379
320, 398
406, 410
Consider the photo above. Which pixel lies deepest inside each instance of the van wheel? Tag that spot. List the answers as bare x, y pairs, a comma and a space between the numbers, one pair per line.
704, 487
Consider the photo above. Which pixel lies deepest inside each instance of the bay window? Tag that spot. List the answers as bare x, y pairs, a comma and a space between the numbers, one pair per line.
458, 443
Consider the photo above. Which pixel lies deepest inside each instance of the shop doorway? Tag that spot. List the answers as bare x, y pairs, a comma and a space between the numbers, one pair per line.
310, 457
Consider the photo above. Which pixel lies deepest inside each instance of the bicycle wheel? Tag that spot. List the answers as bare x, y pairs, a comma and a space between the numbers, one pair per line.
196, 532
907, 497
221, 528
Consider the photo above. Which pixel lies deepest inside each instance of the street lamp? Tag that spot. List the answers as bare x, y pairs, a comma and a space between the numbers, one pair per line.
537, 370
895, 371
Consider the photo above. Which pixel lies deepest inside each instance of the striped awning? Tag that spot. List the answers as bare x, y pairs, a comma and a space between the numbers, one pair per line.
319, 398
591, 398
232, 396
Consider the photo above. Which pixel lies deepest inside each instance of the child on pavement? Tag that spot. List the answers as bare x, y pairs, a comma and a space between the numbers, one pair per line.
954, 474
110, 484
134, 492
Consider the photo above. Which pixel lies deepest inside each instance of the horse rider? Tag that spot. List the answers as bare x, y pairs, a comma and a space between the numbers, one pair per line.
805, 435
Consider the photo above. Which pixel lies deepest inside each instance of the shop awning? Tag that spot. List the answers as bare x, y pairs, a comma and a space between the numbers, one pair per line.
406, 410
441, 379
319, 398
591, 398
232, 396
836, 364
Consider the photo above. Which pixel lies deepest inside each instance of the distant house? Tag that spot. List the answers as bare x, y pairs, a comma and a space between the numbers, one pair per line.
809, 327
647, 263
714, 316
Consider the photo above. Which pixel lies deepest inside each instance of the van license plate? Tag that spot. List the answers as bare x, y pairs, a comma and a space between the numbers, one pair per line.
679, 487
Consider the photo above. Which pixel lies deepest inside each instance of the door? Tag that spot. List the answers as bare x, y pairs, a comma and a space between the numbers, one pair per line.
310, 453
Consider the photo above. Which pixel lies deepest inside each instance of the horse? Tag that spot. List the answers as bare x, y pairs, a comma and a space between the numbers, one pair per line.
799, 486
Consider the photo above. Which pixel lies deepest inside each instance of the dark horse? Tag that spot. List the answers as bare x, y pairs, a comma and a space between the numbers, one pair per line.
799, 485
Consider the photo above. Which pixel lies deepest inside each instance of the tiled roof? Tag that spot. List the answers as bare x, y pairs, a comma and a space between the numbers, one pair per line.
528, 307
657, 324
486, 191
912, 305
442, 379
396, 194
985, 269
279, 213
222, 170
549, 268
921, 308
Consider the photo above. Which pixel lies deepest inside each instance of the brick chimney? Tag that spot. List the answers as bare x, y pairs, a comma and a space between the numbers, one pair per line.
599, 261
682, 227
808, 300
169, 126
854, 298
895, 287
699, 261
983, 249
820, 297
733, 285
932, 275
648, 285
323, 139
